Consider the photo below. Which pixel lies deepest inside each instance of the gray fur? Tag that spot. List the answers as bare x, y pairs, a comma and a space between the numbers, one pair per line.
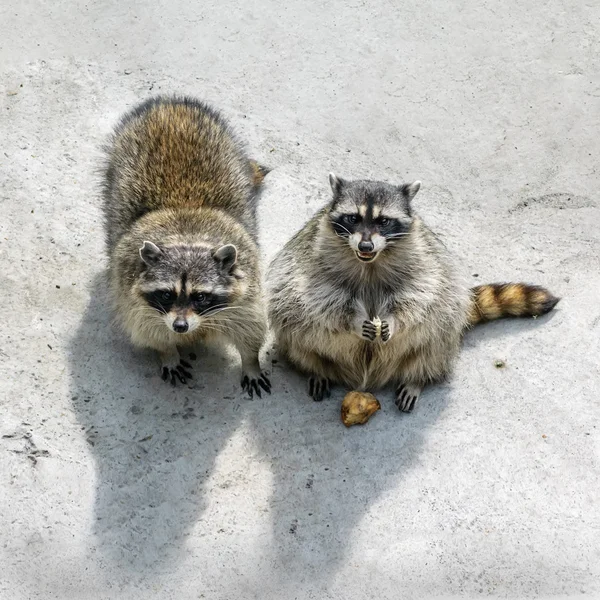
324, 302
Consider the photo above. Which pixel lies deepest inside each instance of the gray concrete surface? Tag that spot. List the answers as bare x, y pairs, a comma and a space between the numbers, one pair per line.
113, 485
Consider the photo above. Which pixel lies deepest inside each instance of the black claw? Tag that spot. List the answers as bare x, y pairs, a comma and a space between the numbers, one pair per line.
412, 404
385, 332
266, 379
318, 388
193, 356
165, 373
183, 372
185, 364
265, 385
173, 380
254, 385
369, 330
401, 396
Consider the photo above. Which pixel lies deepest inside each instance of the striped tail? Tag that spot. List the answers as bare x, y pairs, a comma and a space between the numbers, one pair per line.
497, 300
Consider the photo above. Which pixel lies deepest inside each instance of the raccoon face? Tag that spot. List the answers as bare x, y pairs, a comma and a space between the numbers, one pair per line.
187, 285
370, 215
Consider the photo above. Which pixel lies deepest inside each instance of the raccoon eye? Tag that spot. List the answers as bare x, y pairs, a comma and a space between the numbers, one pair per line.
166, 296
351, 219
199, 298
384, 222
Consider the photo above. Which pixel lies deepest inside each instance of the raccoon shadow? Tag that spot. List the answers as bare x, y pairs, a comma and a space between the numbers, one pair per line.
154, 449
154, 446
505, 327
326, 477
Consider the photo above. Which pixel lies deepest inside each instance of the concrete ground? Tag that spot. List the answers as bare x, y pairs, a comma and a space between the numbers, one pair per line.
114, 485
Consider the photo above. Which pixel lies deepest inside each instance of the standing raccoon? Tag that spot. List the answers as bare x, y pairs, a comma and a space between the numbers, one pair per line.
180, 201
366, 295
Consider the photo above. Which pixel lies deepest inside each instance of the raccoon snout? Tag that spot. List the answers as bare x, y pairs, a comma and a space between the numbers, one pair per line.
366, 246
180, 325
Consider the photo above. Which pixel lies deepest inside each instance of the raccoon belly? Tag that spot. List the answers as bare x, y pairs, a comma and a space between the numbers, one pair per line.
412, 357
352, 358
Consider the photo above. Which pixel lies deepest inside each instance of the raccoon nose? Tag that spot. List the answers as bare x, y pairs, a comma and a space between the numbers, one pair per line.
180, 326
365, 246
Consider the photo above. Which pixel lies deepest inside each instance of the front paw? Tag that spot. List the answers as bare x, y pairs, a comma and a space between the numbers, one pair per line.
386, 331
369, 330
318, 388
174, 370
252, 384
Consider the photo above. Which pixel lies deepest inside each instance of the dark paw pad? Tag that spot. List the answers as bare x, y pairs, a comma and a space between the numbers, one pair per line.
179, 372
318, 388
385, 331
369, 330
407, 397
252, 385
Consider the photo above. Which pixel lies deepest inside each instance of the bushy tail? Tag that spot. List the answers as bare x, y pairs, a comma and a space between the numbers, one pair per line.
259, 172
497, 300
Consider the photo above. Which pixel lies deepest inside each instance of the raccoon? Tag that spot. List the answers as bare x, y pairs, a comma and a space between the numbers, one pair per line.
180, 200
366, 295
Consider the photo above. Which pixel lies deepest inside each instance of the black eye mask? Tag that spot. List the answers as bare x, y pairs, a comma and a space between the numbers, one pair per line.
205, 304
161, 300
347, 224
201, 303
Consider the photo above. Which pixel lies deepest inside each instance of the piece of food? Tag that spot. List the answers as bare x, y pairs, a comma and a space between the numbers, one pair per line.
358, 407
377, 323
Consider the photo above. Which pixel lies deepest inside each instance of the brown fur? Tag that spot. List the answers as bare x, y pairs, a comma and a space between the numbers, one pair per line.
259, 172
178, 178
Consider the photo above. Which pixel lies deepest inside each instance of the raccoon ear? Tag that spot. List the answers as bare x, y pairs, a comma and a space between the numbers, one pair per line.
150, 253
336, 183
226, 256
409, 190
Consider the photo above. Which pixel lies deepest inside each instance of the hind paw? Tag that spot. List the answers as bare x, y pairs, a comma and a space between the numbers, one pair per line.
318, 388
407, 396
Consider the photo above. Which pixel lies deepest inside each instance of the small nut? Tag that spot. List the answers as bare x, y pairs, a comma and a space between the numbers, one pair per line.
377, 323
358, 407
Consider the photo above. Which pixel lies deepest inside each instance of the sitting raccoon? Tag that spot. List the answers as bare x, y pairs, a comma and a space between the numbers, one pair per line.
180, 201
366, 295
